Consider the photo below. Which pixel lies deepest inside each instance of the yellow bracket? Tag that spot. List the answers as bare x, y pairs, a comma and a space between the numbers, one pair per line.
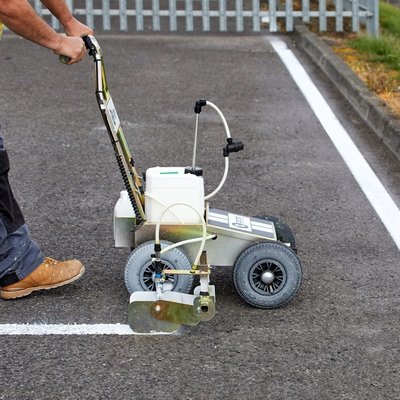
185, 272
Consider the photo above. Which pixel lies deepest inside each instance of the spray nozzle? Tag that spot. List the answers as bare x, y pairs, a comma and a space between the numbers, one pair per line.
232, 147
199, 104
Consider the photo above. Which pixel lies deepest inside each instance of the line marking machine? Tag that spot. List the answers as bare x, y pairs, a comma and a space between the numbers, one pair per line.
163, 216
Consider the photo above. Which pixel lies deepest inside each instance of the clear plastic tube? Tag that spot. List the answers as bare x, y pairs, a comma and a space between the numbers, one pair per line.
218, 188
212, 105
188, 241
228, 135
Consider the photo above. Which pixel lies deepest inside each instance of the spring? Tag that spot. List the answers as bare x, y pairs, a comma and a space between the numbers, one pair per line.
139, 219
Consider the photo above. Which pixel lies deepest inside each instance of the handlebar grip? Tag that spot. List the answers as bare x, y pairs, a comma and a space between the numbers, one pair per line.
64, 59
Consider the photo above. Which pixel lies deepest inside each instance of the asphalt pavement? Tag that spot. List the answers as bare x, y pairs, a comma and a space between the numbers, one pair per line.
338, 339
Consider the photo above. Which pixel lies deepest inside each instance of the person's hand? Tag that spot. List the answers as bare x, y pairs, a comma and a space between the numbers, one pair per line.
76, 28
71, 47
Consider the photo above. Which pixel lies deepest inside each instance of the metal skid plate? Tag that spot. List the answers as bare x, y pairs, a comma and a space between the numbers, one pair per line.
141, 320
150, 313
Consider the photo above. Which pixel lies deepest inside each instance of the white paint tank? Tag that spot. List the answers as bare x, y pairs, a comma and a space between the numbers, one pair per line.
169, 185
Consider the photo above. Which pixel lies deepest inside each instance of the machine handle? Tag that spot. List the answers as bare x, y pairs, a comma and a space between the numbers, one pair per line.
89, 44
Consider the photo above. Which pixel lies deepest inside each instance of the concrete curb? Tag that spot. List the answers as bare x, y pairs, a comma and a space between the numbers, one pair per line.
370, 108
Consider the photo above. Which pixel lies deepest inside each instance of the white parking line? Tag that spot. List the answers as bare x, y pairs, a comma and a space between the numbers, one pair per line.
75, 329
69, 329
64, 329
372, 187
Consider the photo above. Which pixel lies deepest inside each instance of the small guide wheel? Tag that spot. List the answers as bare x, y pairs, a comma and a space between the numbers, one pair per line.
267, 275
139, 269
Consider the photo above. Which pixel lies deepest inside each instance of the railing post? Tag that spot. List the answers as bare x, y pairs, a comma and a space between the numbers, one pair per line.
172, 16
373, 21
339, 15
273, 27
322, 16
189, 15
256, 15
106, 15
156, 15
355, 22
239, 15
222, 15
139, 15
89, 13
123, 16
289, 15
306, 10
205, 8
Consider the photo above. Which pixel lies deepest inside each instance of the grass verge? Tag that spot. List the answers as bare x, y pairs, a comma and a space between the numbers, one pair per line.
376, 60
386, 47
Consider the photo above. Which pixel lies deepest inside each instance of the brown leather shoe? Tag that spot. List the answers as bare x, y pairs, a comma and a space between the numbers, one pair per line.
50, 274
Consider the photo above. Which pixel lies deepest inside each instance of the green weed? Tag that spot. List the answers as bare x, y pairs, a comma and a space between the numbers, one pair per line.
389, 19
386, 47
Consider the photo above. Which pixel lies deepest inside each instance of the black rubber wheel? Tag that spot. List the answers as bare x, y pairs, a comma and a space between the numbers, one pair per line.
139, 270
267, 275
283, 232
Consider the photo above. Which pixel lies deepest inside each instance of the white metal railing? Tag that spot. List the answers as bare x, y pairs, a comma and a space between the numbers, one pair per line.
219, 15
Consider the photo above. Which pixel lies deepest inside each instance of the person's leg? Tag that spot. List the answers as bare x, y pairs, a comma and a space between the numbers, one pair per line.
23, 268
19, 255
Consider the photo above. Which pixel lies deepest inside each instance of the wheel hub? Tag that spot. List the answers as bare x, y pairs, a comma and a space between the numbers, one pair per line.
148, 273
267, 277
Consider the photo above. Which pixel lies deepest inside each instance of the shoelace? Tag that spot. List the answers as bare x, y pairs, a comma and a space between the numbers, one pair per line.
50, 260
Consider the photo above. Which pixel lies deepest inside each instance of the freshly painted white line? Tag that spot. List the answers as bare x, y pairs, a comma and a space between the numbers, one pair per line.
376, 193
73, 329
63, 329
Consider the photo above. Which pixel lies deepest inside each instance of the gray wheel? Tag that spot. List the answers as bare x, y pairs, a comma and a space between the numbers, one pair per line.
283, 232
267, 275
139, 270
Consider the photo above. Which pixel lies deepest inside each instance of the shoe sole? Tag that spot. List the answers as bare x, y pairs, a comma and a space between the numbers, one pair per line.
26, 292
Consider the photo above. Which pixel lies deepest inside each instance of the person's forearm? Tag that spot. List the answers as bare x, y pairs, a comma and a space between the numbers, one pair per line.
60, 10
20, 17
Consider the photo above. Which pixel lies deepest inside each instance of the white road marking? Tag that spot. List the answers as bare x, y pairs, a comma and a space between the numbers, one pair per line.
64, 329
372, 187
71, 329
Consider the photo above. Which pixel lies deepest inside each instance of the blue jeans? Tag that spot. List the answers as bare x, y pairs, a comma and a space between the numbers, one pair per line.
19, 255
